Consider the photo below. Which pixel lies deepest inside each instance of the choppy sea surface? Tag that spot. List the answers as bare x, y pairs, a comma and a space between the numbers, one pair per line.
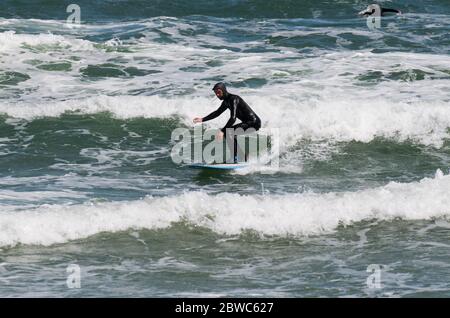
359, 206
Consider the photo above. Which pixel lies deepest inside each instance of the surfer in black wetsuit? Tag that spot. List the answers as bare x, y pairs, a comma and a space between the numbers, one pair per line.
376, 11
239, 109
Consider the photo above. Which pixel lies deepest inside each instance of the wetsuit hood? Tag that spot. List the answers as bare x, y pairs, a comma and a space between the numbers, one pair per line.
223, 88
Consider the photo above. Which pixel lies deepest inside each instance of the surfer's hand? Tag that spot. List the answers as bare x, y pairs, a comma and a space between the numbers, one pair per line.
219, 135
197, 120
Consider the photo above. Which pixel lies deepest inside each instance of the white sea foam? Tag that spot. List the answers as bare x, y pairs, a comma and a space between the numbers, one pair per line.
337, 120
185, 66
10, 41
279, 215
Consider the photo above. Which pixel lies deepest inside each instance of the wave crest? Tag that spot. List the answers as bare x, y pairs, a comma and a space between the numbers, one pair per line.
278, 215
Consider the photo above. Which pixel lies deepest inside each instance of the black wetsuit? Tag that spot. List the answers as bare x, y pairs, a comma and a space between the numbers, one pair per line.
384, 10
239, 109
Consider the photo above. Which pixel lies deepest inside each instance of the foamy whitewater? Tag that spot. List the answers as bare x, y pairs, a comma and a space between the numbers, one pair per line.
86, 175
281, 215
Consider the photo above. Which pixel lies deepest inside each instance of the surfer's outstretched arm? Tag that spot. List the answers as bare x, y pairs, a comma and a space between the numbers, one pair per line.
215, 113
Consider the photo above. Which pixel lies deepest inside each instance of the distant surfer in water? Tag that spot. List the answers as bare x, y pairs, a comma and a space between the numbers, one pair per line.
239, 109
374, 10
